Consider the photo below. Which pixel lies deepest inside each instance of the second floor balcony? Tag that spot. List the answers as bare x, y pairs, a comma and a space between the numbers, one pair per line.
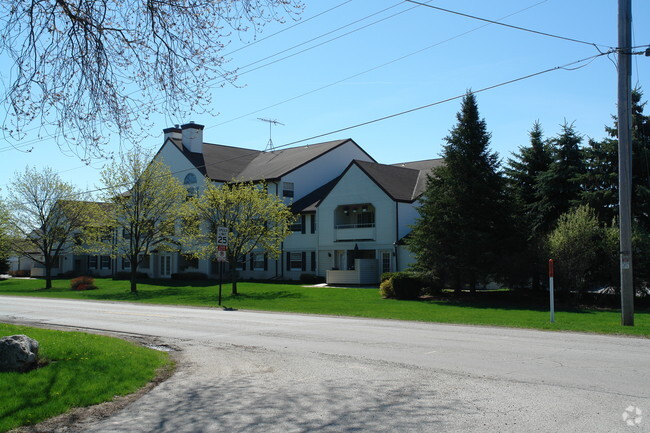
354, 222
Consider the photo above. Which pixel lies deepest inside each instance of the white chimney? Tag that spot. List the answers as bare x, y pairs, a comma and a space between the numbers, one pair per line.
192, 134
174, 133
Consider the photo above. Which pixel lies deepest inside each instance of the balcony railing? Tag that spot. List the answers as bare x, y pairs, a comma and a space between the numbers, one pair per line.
354, 226
349, 232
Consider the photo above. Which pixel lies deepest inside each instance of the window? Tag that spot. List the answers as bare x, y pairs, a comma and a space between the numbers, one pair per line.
92, 262
105, 262
126, 263
259, 262
296, 261
297, 224
190, 185
385, 262
106, 235
313, 224
241, 263
287, 189
188, 262
313, 261
144, 261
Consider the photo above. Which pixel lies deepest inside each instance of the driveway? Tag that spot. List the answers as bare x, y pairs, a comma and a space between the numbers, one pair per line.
243, 371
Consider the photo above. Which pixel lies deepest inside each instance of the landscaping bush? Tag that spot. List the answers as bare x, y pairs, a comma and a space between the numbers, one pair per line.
21, 273
126, 275
406, 285
386, 276
189, 276
386, 288
83, 283
311, 279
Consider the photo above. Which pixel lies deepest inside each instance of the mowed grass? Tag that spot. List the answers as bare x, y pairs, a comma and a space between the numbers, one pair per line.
359, 302
81, 370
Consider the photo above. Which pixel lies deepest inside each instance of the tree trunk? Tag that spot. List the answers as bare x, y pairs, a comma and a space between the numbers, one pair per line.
134, 273
48, 275
233, 276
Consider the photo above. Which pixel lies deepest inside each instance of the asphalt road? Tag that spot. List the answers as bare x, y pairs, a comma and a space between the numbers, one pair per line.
245, 371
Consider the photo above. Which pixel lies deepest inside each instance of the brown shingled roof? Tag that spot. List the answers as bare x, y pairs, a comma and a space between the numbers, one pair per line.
224, 163
402, 182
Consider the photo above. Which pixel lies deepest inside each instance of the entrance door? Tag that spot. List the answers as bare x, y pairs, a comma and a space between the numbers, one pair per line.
165, 265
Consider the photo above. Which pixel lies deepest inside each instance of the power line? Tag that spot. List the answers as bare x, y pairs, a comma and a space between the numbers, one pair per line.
373, 68
509, 25
401, 113
214, 82
380, 119
257, 41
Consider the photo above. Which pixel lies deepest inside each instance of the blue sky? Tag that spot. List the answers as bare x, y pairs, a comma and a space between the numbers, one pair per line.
396, 63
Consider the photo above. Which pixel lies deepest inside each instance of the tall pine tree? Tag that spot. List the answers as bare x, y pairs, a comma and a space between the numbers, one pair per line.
558, 189
601, 179
522, 173
464, 214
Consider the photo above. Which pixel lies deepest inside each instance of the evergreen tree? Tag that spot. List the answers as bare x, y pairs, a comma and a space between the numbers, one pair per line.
522, 174
464, 215
600, 180
558, 189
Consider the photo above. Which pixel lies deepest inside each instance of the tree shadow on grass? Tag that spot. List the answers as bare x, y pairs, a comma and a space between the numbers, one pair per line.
268, 295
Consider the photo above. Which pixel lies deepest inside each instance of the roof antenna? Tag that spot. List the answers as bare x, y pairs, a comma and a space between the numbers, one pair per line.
271, 122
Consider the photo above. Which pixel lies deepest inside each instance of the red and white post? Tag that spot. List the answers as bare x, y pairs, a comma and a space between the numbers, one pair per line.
551, 290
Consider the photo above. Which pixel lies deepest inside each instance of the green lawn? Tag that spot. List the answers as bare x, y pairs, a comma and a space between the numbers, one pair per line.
361, 302
81, 370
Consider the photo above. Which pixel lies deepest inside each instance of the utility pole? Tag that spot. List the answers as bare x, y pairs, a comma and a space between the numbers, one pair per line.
625, 158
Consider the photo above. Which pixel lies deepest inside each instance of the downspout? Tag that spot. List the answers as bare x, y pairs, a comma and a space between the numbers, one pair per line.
281, 262
396, 235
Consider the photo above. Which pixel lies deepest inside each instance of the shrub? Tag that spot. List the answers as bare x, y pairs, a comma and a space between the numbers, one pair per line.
386, 276
311, 279
406, 285
83, 283
189, 276
386, 288
21, 273
126, 275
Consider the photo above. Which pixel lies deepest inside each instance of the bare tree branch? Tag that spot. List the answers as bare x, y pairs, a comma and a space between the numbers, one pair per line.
89, 67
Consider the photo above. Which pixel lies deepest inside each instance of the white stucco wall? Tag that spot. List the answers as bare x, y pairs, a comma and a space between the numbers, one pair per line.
323, 169
178, 164
408, 213
356, 188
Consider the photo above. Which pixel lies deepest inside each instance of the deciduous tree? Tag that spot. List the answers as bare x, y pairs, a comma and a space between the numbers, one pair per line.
255, 219
4, 238
144, 201
46, 214
90, 67
575, 244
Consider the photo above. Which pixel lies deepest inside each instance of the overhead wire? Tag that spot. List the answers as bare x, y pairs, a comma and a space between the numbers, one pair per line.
358, 125
373, 68
215, 82
509, 25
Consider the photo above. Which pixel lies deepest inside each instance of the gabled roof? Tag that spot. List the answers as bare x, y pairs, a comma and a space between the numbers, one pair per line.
310, 202
225, 163
403, 182
277, 163
425, 167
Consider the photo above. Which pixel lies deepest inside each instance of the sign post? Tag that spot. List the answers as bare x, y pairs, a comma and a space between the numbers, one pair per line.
551, 289
222, 253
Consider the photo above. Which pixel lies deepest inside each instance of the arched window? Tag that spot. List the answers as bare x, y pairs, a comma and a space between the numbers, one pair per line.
190, 179
190, 182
